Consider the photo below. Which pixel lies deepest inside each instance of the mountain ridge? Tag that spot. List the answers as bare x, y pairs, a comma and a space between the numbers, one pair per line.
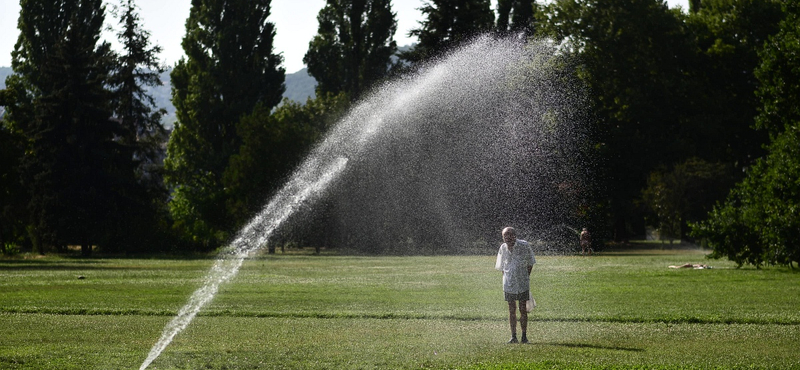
299, 87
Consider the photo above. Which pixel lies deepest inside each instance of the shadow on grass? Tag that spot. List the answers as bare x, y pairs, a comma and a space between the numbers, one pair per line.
53, 264
66, 262
638, 249
593, 346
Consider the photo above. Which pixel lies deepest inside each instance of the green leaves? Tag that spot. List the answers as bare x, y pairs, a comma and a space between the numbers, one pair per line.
72, 166
778, 73
685, 194
273, 144
447, 24
353, 47
669, 87
636, 59
759, 221
230, 69
517, 15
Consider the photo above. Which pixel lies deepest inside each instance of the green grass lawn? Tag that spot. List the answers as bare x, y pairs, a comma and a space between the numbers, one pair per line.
621, 309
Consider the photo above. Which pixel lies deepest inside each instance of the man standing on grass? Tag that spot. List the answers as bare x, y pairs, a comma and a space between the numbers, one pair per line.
515, 259
586, 242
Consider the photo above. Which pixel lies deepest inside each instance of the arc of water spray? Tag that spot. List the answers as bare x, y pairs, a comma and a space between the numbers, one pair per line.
309, 181
453, 89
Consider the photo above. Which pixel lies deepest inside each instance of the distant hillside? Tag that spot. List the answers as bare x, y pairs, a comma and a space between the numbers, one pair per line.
299, 87
163, 95
4, 72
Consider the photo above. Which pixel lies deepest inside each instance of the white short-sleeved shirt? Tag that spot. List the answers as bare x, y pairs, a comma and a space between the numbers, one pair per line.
514, 265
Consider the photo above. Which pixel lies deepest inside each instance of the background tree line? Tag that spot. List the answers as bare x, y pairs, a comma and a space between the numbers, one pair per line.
695, 125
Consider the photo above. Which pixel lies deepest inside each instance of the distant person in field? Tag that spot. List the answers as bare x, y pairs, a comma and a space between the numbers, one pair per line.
515, 259
586, 242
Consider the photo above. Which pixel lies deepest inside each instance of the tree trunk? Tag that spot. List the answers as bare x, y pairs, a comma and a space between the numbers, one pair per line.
86, 249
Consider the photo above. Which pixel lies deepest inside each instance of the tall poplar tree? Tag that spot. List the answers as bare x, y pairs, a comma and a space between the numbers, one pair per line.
61, 106
353, 47
229, 69
448, 23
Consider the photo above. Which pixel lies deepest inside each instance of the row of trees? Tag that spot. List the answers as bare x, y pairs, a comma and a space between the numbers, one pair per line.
80, 138
759, 220
684, 104
220, 178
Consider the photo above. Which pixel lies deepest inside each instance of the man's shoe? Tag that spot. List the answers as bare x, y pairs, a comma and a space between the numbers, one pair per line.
524, 340
513, 340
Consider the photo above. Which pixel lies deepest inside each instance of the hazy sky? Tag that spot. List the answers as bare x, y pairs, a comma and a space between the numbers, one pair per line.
295, 22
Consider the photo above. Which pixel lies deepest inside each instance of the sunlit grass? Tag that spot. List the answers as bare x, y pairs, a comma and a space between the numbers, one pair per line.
620, 309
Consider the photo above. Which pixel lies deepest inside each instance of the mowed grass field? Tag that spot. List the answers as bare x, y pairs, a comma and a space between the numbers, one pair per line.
620, 309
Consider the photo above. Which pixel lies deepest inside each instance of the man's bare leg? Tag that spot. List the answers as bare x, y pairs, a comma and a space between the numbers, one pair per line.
523, 321
512, 320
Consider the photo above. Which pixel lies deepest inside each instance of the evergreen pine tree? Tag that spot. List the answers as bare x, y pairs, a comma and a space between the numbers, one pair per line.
13, 197
138, 68
229, 69
353, 47
143, 134
72, 164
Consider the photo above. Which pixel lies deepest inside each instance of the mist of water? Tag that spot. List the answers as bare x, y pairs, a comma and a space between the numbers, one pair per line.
490, 135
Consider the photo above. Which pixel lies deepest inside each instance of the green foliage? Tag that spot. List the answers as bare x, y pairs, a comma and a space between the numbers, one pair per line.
517, 15
353, 46
13, 196
273, 144
184, 207
685, 194
447, 24
78, 133
758, 222
729, 35
10, 249
779, 90
634, 58
137, 69
672, 93
142, 133
73, 168
666, 86
229, 70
